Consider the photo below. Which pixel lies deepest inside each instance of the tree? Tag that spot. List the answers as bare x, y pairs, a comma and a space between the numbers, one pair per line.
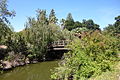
62, 21
89, 57
52, 17
42, 16
5, 31
39, 34
117, 19
114, 29
117, 24
77, 24
89, 24
69, 22
69, 17
4, 12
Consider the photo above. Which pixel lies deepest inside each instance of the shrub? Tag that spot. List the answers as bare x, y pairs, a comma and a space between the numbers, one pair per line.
89, 56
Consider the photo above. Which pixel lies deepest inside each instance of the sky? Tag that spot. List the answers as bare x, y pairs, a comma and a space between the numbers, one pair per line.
102, 12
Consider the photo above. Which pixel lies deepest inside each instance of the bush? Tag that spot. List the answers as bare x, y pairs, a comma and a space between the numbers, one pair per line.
89, 56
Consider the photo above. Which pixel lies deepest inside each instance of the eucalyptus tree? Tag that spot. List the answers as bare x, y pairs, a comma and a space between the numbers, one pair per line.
4, 14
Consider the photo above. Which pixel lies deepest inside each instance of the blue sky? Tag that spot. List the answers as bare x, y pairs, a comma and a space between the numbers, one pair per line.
101, 11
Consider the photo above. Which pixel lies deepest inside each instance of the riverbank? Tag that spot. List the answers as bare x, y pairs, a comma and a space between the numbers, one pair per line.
17, 60
14, 60
6, 65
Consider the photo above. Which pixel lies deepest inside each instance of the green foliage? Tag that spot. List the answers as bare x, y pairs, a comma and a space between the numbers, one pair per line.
4, 12
5, 32
89, 24
62, 21
39, 34
17, 44
113, 30
41, 16
89, 56
78, 24
117, 23
69, 22
52, 17
34, 40
80, 30
109, 75
14, 41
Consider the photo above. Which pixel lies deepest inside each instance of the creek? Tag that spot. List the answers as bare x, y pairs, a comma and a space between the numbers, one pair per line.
38, 71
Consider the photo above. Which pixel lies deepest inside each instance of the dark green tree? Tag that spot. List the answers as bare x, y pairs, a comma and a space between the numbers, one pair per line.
5, 32
117, 25
77, 24
69, 17
114, 29
89, 24
69, 22
52, 17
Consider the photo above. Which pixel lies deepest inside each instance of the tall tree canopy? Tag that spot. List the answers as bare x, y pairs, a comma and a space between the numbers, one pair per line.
117, 23
69, 22
52, 17
5, 31
4, 12
69, 17
114, 29
42, 16
89, 24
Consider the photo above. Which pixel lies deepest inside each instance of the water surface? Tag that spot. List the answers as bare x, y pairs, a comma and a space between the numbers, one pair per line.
39, 71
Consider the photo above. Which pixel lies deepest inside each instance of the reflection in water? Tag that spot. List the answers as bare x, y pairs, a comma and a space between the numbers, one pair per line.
39, 71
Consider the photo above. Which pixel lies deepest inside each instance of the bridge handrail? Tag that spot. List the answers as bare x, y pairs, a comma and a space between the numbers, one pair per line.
60, 42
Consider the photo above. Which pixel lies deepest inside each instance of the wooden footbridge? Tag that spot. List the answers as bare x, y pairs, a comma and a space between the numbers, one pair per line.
57, 49
59, 45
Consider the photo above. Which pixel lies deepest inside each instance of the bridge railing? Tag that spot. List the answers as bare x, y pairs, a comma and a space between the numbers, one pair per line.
60, 43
